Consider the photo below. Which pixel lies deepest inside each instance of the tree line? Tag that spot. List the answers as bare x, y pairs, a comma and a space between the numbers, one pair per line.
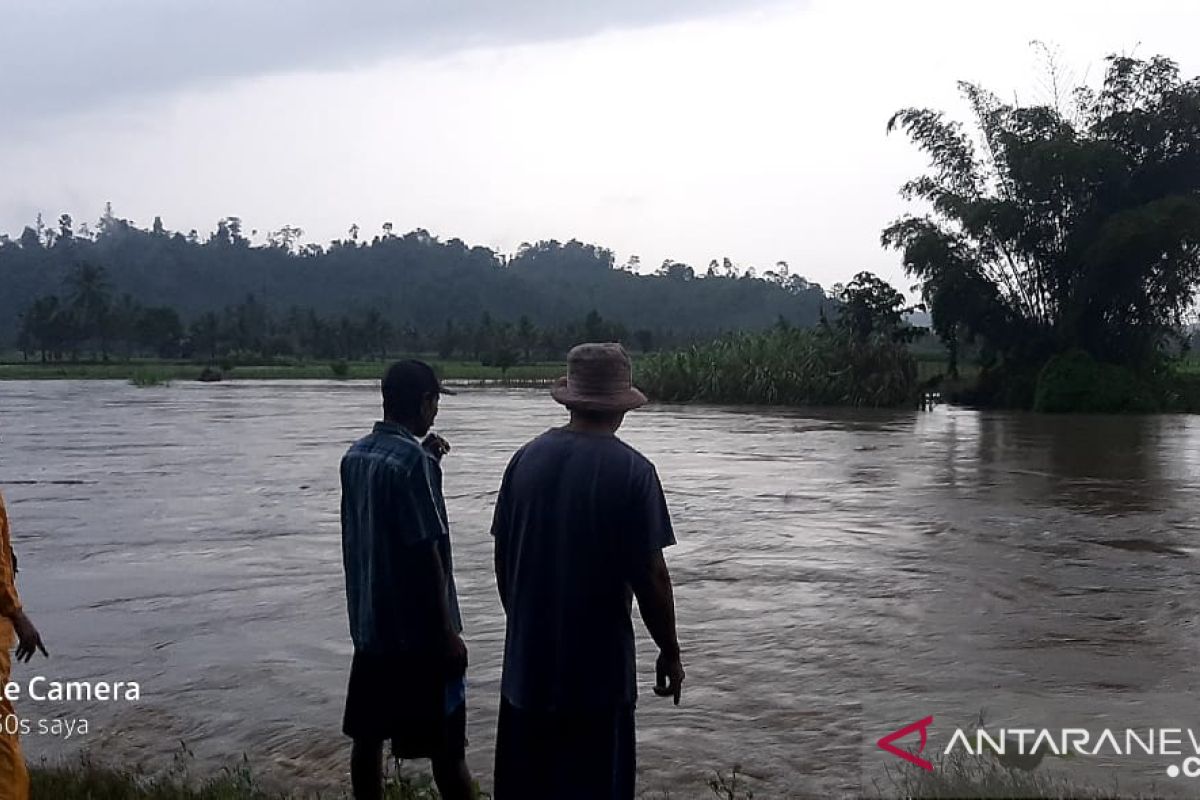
358, 294
89, 321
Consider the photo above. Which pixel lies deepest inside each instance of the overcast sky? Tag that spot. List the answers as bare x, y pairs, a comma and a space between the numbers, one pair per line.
684, 129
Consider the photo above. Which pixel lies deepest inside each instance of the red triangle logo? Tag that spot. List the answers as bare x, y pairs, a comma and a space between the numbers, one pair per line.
913, 758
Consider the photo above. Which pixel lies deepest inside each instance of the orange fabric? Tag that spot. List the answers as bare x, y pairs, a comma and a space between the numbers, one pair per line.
14, 778
9, 602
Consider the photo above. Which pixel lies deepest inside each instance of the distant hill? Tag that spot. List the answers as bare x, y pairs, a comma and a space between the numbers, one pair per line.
412, 279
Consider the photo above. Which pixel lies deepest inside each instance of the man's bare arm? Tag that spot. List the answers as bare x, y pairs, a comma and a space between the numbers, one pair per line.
651, 583
501, 572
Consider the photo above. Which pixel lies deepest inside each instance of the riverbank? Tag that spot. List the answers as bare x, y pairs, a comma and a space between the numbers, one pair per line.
149, 372
972, 777
89, 781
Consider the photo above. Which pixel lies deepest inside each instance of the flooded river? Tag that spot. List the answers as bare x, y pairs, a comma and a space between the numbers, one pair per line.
838, 574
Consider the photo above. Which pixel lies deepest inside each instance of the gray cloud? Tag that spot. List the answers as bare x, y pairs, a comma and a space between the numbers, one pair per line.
61, 55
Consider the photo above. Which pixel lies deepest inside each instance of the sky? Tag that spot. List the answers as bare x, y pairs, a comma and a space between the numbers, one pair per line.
681, 129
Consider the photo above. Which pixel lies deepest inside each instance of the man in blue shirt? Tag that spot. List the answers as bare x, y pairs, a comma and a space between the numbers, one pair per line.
406, 680
580, 524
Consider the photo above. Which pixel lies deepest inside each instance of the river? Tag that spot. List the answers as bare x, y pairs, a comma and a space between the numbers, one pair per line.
838, 574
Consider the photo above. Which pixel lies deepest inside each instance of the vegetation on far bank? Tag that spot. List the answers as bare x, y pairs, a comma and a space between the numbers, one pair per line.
1062, 238
860, 359
113, 284
787, 367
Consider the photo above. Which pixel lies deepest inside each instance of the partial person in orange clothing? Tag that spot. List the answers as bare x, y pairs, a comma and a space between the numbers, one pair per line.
14, 778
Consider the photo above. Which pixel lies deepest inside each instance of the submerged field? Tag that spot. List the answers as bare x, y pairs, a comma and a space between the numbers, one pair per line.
838, 573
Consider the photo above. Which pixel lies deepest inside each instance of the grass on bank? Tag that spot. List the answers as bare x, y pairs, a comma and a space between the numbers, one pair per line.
959, 775
90, 781
151, 373
966, 776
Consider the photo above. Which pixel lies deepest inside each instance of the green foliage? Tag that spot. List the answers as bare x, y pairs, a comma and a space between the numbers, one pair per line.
504, 358
1006, 385
795, 367
1061, 226
91, 303
869, 306
360, 295
732, 786
1183, 393
146, 377
966, 775
862, 360
340, 369
250, 333
1074, 381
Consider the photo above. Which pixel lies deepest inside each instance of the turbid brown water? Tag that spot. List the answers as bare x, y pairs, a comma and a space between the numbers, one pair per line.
838, 574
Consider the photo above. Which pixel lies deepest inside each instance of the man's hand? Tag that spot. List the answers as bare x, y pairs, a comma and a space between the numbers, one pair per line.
29, 641
436, 445
669, 670
456, 656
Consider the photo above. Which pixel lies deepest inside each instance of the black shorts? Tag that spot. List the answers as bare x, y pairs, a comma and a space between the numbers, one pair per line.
402, 698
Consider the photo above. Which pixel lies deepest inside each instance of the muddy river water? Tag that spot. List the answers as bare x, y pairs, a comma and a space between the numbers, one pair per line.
838, 574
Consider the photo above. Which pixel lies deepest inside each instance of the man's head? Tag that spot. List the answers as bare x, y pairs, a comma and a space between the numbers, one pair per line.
410, 395
598, 388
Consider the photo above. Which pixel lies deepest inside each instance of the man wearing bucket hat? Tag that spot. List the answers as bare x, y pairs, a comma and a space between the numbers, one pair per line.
579, 527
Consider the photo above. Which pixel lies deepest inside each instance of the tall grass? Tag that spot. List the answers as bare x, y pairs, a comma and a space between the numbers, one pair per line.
967, 775
87, 780
785, 366
147, 377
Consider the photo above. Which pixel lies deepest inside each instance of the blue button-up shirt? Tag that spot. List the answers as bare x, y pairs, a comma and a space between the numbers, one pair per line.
391, 501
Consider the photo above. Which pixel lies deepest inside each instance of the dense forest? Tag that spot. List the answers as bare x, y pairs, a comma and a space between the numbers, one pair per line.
114, 287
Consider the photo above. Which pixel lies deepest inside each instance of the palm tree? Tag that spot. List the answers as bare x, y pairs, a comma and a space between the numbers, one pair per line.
206, 333
91, 300
39, 324
527, 336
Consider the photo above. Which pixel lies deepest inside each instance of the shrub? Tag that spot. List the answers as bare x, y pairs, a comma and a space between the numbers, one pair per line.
1005, 385
785, 366
148, 377
960, 775
1074, 381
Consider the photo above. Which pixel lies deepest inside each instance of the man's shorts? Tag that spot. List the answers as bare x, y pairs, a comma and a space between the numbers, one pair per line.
402, 698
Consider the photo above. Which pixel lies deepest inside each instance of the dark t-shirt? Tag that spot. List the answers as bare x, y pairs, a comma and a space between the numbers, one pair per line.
575, 512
